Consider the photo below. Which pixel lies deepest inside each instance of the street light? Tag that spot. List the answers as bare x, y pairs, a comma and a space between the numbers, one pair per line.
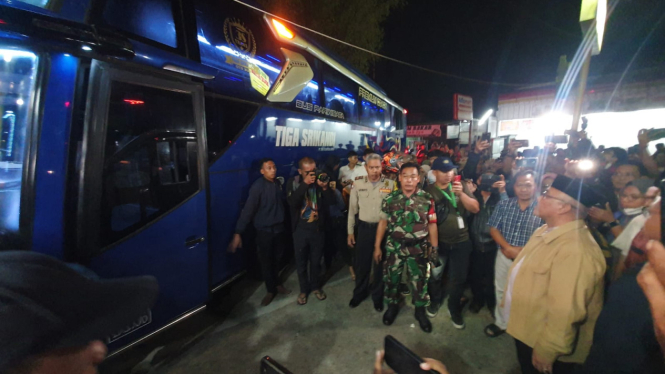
485, 117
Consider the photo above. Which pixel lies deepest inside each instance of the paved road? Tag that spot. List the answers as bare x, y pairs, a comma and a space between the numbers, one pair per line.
329, 337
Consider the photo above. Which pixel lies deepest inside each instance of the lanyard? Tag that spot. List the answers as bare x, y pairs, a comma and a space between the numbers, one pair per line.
453, 199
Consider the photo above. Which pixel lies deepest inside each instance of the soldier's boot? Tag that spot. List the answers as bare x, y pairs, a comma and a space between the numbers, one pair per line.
390, 314
422, 319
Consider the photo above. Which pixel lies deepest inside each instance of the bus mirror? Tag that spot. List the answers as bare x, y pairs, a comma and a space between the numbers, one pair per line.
295, 75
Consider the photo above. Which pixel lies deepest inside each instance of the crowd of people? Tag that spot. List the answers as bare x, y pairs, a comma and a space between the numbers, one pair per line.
548, 240
567, 256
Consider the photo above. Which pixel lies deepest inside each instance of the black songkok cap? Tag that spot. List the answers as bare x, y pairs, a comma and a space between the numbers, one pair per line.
580, 191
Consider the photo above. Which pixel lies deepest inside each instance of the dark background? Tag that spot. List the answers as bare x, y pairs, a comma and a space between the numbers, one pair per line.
512, 41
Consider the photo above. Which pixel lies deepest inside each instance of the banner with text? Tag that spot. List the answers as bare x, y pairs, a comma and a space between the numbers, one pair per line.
423, 131
462, 107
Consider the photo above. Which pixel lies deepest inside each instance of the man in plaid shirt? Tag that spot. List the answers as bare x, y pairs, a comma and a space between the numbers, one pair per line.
512, 224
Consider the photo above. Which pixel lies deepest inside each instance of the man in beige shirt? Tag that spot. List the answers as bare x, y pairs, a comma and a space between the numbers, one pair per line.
367, 193
555, 285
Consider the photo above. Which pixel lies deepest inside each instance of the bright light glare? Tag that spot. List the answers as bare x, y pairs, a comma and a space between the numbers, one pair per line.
377, 124
294, 119
343, 98
9, 54
245, 57
585, 165
282, 30
203, 39
252, 137
20, 102
611, 129
271, 118
485, 117
86, 48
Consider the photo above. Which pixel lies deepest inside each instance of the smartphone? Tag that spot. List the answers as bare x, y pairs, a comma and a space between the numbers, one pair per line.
520, 143
527, 163
557, 139
486, 137
458, 178
401, 359
270, 366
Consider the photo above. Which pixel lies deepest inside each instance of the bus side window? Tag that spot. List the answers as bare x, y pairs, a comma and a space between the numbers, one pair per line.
151, 19
150, 157
225, 119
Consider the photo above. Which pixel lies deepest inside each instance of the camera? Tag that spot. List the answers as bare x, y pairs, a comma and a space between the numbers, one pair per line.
322, 177
488, 181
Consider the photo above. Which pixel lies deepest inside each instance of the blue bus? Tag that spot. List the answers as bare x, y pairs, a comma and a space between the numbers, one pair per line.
131, 130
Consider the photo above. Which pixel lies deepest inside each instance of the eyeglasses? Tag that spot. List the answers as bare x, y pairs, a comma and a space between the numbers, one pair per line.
409, 178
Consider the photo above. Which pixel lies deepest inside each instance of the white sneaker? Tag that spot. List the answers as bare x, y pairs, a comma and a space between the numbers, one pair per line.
458, 321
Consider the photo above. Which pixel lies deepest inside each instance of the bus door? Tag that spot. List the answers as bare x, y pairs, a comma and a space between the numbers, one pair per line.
142, 201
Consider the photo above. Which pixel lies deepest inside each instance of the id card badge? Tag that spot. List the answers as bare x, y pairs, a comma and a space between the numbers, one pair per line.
460, 222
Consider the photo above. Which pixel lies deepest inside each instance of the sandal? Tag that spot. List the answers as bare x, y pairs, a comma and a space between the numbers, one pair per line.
320, 295
493, 331
302, 299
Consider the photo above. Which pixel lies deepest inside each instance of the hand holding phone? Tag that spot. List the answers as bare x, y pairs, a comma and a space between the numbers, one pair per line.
402, 360
270, 366
458, 178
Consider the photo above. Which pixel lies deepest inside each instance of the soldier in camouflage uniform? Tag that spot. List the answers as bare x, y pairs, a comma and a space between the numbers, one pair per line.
409, 219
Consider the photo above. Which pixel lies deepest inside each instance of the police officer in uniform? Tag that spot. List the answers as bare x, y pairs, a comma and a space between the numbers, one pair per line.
409, 220
367, 194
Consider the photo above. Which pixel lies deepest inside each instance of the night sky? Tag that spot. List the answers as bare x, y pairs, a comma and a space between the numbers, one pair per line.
512, 41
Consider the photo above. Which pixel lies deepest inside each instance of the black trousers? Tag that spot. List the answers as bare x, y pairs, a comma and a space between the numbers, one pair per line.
335, 241
458, 257
481, 274
270, 249
308, 247
364, 262
524, 354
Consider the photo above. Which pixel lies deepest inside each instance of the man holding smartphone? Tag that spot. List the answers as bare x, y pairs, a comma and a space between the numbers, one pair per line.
452, 203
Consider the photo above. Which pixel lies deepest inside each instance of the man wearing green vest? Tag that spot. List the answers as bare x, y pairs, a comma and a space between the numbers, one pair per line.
453, 203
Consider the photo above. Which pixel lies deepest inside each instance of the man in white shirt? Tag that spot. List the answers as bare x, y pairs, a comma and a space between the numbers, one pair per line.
349, 173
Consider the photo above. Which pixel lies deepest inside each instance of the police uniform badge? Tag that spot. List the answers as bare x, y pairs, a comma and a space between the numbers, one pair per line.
386, 187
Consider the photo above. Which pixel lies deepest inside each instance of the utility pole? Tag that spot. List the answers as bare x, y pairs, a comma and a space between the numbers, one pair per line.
593, 16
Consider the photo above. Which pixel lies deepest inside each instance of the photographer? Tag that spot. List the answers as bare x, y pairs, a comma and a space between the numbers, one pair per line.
491, 190
308, 197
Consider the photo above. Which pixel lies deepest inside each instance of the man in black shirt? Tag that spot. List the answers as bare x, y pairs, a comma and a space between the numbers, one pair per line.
453, 201
265, 209
308, 199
